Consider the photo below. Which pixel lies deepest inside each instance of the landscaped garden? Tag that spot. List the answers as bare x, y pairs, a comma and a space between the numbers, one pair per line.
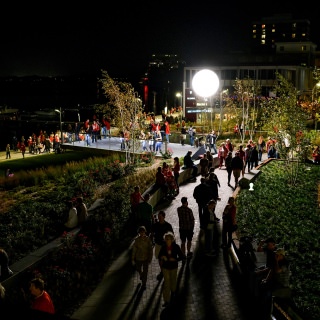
33, 211
285, 205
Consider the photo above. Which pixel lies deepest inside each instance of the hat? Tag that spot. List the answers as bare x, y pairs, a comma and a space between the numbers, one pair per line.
280, 251
142, 228
184, 199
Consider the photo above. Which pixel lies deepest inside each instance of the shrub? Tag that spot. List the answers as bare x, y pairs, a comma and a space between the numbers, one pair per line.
289, 214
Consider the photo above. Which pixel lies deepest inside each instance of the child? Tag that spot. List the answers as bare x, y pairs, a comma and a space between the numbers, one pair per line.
172, 186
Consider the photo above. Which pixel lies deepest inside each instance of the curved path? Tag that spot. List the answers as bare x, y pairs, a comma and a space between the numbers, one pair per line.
206, 286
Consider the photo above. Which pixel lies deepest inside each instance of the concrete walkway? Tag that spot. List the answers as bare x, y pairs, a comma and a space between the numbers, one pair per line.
206, 286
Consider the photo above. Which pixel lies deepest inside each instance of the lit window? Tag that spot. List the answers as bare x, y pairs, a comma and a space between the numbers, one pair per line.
303, 48
293, 36
263, 26
263, 42
273, 30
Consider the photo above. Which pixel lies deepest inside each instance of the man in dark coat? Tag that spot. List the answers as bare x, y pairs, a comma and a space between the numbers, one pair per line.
202, 194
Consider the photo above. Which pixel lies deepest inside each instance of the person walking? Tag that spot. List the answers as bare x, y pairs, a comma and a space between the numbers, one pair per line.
158, 230
209, 221
237, 167
261, 147
141, 255
242, 155
176, 171
210, 159
8, 155
158, 139
222, 153
191, 133
145, 214
229, 146
204, 165
23, 149
167, 130
229, 223
186, 226
211, 140
254, 157
247, 156
183, 135
202, 193
169, 256
135, 198
214, 184
228, 164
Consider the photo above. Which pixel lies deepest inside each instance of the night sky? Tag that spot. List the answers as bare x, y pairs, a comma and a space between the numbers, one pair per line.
117, 37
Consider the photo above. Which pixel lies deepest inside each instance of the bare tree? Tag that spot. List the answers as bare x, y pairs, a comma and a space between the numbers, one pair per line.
283, 117
245, 106
125, 107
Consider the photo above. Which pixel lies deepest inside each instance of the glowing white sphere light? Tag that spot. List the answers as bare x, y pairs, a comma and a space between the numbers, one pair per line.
205, 83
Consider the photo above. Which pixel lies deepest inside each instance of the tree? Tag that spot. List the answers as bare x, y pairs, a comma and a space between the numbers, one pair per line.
246, 107
125, 108
283, 118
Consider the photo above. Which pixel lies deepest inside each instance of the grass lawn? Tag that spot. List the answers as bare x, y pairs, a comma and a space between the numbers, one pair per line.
33, 162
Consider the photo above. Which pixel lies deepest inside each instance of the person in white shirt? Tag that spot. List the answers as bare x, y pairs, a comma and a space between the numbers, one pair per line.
72, 221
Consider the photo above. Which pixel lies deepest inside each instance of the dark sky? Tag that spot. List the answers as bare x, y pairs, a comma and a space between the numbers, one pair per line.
117, 37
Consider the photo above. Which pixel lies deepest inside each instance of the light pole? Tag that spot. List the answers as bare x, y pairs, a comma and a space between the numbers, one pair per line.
205, 83
315, 89
221, 108
60, 120
179, 97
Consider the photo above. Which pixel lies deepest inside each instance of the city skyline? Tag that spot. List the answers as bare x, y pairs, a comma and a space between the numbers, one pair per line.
121, 39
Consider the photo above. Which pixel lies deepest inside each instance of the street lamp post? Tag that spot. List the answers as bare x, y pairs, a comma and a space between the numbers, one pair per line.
60, 121
179, 97
205, 83
314, 89
221, 108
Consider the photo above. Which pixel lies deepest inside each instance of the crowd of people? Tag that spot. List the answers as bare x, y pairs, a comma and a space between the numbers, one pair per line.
156, 236
160, 241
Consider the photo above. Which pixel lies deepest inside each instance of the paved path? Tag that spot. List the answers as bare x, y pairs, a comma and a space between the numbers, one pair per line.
206, 287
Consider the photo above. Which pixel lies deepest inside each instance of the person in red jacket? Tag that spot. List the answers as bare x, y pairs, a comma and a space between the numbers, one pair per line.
167, 130
222, 153
41, 300
23, 149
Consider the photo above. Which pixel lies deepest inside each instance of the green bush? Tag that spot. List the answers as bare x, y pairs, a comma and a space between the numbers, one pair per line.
289, 214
